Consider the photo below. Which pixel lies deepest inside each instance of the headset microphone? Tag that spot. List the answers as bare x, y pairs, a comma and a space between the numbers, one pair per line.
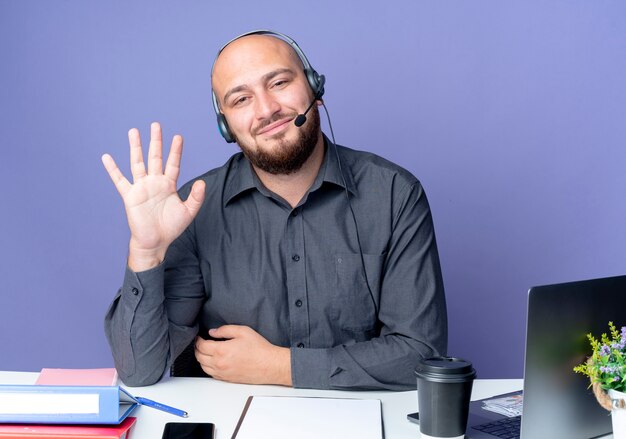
301, 119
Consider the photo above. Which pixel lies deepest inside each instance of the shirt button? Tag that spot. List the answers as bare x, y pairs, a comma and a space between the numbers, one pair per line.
300, 345
135, 291
294, 213
296, 258
298, 303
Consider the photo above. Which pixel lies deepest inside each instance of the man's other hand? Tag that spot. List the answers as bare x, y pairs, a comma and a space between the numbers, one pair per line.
243, 357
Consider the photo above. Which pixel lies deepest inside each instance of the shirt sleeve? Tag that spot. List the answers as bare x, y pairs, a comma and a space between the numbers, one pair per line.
144, 330
412, 314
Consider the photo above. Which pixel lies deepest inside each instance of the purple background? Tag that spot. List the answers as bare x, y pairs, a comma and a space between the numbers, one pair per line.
511, 114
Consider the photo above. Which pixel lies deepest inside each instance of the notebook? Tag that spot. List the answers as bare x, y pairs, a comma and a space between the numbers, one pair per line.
557, 403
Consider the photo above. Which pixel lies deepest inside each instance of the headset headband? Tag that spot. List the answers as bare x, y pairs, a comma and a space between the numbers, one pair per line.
286, 38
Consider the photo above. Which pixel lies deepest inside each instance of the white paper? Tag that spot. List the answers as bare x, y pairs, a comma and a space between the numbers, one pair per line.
510, 406
303, 418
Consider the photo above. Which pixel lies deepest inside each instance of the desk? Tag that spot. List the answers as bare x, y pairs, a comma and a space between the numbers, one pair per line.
209, 400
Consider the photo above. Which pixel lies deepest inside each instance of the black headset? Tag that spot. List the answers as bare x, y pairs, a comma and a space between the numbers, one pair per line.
315, 80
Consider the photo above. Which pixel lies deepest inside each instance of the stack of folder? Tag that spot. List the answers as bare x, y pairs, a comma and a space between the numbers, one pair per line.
66, 403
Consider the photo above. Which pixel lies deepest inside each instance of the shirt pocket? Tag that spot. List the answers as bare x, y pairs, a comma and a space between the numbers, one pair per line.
352, 301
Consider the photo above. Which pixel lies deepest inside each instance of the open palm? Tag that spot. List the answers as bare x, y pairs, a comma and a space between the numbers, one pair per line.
156, 214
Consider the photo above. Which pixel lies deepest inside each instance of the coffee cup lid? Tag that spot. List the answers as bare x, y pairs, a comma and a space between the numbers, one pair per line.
445, 369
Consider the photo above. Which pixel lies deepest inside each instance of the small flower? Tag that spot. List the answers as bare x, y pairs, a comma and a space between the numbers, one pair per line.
619, 345
607, 364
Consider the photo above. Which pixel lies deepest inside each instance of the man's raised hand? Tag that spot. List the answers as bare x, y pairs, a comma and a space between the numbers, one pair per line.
156, 214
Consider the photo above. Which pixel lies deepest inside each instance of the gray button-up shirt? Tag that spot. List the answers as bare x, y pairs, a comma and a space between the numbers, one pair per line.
296, 277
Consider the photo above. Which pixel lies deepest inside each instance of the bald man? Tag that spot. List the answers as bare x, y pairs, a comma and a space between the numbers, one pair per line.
263, 266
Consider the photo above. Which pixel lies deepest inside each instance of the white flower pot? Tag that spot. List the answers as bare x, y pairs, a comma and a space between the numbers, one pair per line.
618, 414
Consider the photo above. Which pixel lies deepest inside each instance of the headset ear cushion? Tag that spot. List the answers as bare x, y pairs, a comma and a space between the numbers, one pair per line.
222, 127
315, 82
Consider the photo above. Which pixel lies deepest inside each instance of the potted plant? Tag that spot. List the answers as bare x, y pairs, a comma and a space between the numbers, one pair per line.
606, 368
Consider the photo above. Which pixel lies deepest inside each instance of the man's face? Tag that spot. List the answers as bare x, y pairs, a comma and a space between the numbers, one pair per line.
261, 87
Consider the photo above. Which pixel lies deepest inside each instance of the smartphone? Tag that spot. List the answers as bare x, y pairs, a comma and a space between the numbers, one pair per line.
413, 417
188, 430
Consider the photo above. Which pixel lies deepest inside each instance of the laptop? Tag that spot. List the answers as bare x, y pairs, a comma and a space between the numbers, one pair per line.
557, 402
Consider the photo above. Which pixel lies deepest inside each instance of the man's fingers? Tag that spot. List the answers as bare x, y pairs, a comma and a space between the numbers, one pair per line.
155, 152
205, 360
121, 184
172, 167
210, 363
205, 348
195, 198
137, 167
228, 331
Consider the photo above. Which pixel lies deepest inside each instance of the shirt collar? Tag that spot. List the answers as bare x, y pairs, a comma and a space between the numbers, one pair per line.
332, 169
241, 177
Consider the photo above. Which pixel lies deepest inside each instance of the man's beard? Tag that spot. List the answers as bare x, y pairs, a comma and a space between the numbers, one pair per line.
286, 158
